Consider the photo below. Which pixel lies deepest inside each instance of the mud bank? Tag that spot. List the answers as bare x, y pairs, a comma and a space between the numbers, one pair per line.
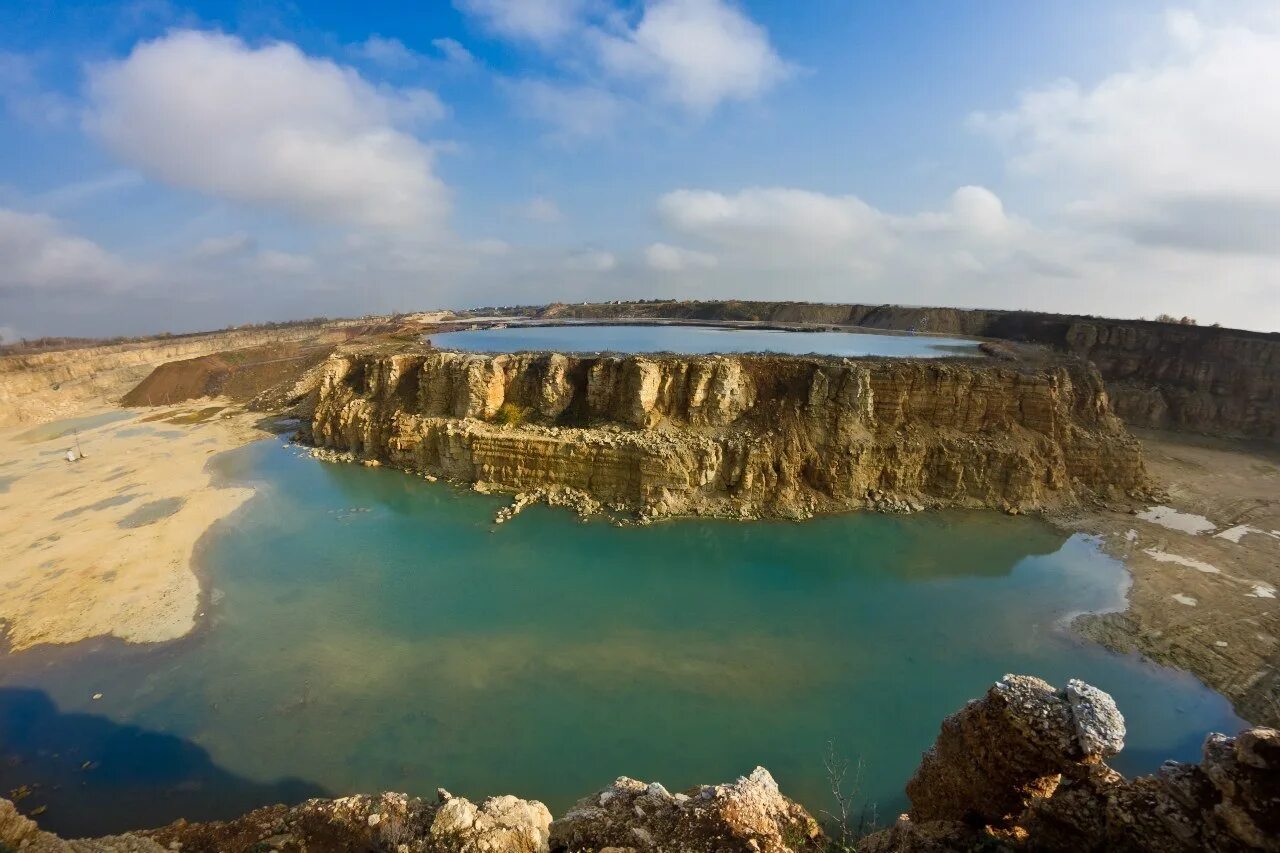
739, 436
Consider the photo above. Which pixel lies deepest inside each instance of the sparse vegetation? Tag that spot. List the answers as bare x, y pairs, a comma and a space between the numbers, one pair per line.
844, 830
1182, 321
509, 414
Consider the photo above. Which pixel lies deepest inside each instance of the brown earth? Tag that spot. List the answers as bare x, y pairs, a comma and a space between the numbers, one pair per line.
1205, 602
238, 375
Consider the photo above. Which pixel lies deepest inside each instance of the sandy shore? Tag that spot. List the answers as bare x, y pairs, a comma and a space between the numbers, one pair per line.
103, 545
1205, 564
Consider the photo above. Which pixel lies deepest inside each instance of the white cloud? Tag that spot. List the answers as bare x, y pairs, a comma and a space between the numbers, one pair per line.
693, 53
700, 52
1180, 152
541, 21
388, 52
968, 252
36, 254
576, 112
454, 53
591, 261
773, 219
667, 258
270, 126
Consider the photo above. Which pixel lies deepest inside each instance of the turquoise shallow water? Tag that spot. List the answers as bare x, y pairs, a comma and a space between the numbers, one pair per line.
369, 630
699, 339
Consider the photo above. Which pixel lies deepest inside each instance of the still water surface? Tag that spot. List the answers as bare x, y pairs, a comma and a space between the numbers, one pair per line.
370, 631
699, 339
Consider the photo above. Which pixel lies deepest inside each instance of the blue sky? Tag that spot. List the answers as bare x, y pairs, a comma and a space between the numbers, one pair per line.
168, 166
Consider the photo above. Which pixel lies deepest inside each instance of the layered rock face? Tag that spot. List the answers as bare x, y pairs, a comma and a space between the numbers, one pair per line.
1023, 769
1162, 375
741, 436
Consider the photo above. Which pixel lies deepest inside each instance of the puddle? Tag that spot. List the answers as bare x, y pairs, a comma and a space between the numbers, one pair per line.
1174, 520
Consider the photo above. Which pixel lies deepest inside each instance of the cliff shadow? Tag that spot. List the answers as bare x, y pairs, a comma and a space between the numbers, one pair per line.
95, 776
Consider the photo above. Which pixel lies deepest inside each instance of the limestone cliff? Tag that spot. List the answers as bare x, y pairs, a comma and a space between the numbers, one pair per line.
1162, 375
742, 436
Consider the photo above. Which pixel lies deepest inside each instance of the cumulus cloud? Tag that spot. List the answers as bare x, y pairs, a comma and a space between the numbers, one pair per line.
37, 254
667, 258
700, 52
696, 54
1179, 152
542, 21
270, 126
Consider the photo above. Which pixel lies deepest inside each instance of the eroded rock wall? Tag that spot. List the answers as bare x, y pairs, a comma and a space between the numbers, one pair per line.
736, 436
1160, 375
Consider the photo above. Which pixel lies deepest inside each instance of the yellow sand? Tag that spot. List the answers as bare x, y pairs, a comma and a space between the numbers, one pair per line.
68, 569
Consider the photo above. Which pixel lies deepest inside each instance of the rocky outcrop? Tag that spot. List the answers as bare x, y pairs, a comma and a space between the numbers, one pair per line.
1163, 375
750, 815
1024, 768
740, 436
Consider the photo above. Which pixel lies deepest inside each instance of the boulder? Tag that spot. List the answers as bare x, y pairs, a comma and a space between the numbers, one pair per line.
747, 815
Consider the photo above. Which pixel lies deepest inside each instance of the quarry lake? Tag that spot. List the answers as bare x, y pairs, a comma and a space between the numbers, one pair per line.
698, 340
366, 630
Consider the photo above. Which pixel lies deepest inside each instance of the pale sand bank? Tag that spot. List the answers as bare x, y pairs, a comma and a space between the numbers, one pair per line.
104, 545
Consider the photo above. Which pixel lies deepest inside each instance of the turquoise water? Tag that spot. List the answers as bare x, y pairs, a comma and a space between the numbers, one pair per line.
698, 339
368, 630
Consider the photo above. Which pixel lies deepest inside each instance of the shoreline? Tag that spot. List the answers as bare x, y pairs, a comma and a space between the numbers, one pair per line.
107, 546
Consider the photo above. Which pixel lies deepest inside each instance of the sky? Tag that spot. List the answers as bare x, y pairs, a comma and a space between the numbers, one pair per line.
169, 166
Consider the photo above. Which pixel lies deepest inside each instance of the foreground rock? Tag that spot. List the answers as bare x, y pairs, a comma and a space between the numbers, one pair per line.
749, 815
741, 436
1023, 769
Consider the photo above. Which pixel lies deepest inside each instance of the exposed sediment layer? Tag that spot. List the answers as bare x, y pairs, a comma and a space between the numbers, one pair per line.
1160, 375
743, 436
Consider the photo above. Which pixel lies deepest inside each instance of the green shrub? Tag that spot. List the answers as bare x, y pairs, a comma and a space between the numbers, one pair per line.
509, 414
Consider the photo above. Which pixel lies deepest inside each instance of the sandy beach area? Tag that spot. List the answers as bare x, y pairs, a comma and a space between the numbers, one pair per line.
103, 545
